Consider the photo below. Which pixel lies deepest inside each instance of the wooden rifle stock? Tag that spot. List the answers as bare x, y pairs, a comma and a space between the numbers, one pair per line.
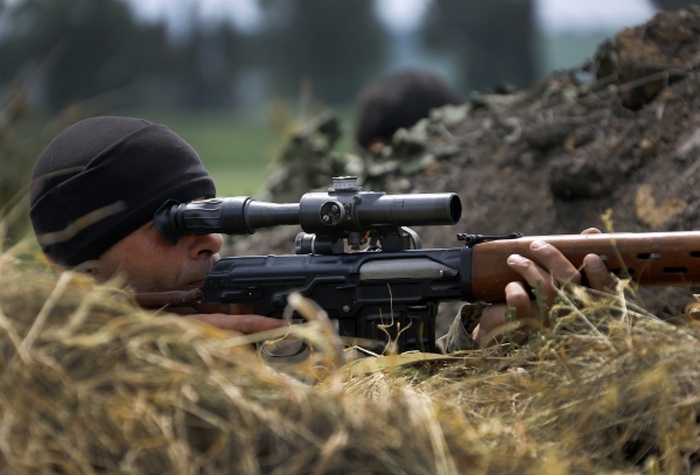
650, 259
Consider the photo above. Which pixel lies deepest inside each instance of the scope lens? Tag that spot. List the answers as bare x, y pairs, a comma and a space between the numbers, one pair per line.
455, 208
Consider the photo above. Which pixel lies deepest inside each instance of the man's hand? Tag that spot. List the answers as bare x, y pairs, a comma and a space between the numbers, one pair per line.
246, 324
557, 268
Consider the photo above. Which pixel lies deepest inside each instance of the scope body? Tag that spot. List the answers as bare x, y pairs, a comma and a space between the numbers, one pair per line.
333, 215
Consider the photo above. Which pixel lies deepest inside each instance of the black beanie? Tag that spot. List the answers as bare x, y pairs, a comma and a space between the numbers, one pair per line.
102, 178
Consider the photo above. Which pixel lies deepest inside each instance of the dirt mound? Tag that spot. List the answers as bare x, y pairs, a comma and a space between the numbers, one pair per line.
619, 135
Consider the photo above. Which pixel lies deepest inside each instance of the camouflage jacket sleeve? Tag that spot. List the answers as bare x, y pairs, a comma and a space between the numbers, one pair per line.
459, 336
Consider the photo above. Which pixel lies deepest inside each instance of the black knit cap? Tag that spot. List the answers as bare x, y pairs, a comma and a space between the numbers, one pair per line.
102, 178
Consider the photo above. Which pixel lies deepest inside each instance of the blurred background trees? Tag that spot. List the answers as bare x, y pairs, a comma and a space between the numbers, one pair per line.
105, 49
336, 44
92, 48
493, 41
211, 77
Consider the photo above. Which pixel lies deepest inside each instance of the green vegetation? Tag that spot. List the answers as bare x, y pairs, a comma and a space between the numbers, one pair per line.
235, 148
21, 140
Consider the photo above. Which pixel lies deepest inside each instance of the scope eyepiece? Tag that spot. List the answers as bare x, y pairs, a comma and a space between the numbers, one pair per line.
165, 221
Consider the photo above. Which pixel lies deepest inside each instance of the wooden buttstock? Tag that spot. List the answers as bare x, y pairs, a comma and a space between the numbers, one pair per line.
650, 259
188, 299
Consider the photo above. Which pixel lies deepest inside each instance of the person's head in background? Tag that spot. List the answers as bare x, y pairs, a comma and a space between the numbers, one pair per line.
95, 189
398, 101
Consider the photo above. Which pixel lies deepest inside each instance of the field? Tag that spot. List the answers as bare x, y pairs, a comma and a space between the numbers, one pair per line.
236, 149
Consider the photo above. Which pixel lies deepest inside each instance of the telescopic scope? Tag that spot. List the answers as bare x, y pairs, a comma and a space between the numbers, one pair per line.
344, 208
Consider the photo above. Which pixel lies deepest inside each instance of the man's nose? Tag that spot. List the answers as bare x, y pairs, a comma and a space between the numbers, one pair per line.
205, 245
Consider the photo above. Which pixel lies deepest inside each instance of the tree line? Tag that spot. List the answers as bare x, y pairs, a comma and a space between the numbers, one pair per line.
81, 49
85, 49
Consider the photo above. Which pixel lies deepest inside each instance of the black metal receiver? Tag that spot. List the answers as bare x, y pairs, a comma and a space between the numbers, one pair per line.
372, 295
377, 295
389, 289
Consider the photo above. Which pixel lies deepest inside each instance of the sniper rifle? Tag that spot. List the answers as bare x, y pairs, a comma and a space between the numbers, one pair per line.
360, 261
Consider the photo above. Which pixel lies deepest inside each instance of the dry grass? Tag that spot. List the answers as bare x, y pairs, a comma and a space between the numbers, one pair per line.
91, 384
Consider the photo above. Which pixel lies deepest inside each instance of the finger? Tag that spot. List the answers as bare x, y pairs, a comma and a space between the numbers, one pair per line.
552, 258
493, 317
535, 276
524, 309
498, 320
598, 276
478, 334
591, 231
518, 300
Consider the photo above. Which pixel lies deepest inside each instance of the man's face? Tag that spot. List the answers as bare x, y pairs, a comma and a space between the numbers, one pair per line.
149, 262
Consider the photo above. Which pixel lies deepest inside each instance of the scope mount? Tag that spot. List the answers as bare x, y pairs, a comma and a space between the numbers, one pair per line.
384, 238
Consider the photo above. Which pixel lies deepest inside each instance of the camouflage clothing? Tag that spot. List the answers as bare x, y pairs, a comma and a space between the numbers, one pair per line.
459, 336
308, 161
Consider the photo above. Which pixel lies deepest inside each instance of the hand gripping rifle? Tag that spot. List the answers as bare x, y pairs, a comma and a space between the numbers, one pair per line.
391, 288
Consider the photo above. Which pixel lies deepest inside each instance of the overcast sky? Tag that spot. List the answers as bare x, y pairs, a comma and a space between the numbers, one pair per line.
554, 16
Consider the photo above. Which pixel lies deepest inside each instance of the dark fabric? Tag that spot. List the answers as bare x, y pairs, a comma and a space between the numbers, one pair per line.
398, 100
102, 178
